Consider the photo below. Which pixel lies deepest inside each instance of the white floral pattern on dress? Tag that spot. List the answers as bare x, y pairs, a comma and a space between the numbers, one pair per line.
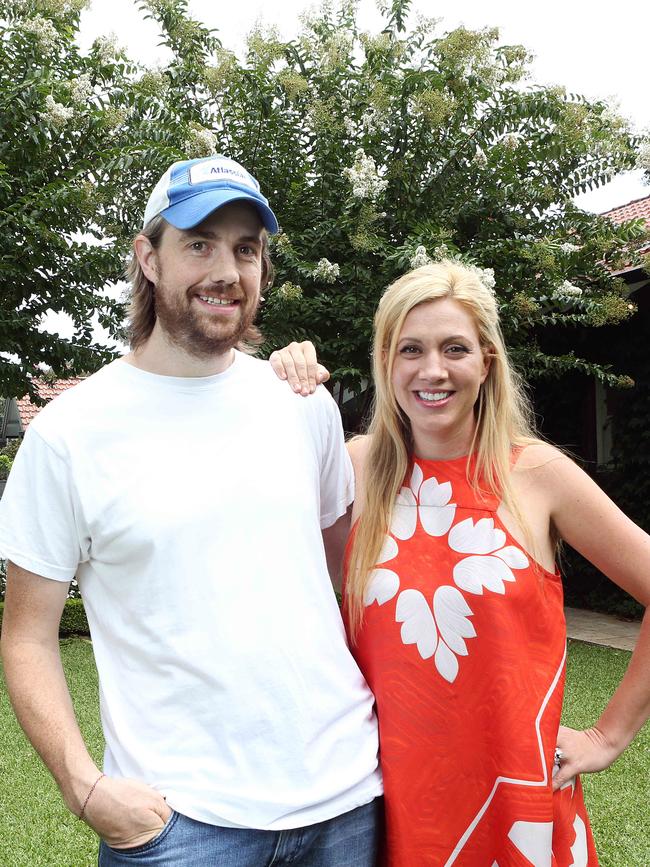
468, 537
579, 850
534, 841
384, 583
418, 625
427, 500
440, 630
491, 561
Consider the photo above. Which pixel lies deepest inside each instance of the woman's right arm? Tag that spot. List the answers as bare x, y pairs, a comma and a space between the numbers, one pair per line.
358, 449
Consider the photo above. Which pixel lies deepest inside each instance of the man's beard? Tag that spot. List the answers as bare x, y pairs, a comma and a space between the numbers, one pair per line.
196, 334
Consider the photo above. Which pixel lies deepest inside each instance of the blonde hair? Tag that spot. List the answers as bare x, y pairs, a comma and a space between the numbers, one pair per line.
142, 306
504, 417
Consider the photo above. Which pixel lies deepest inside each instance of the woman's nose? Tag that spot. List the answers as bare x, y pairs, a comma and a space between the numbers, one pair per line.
433, 366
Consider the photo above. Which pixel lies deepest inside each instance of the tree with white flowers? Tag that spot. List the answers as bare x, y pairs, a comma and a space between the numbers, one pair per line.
83, 137
377, 151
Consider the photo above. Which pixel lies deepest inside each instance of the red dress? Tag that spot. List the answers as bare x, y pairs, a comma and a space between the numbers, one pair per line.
463, 643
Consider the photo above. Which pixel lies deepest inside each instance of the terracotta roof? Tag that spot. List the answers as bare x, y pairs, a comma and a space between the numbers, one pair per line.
631, 211
47, 390
639, 208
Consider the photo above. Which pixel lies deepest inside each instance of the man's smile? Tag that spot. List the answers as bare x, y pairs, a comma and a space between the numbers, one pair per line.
219, 302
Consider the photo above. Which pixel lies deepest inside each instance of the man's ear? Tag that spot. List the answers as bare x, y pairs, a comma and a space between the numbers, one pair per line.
146, 255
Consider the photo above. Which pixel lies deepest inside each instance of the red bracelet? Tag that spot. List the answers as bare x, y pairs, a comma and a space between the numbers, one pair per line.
92, 789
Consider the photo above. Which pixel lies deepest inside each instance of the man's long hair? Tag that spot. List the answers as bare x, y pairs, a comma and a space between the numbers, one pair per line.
142, 306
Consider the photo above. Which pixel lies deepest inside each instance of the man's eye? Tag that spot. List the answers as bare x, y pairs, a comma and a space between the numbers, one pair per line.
245, 250
198, 246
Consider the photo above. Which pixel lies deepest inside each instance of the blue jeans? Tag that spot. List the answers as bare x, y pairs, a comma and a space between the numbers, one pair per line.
349, 840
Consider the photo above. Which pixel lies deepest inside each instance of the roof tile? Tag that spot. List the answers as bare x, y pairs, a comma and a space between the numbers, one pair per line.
637, 209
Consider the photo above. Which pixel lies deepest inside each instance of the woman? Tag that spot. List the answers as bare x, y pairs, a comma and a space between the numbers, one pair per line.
452, 599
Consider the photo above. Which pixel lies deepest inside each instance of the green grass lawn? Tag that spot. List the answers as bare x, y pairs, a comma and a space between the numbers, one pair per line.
618, 800
36, 830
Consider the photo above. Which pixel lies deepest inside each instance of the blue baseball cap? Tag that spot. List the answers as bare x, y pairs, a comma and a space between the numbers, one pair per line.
190, 190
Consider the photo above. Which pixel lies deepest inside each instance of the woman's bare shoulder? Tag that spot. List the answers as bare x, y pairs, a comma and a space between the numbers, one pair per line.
544, 471
539, 457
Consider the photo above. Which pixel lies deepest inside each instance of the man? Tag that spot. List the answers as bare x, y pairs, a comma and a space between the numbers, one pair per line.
186, 488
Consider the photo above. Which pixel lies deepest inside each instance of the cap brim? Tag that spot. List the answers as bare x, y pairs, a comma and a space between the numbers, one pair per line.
191, 212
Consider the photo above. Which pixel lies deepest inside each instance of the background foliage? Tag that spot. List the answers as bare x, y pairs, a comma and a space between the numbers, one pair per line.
566, 409
377, 151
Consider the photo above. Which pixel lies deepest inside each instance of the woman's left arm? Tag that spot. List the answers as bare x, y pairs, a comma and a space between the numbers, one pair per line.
590, 522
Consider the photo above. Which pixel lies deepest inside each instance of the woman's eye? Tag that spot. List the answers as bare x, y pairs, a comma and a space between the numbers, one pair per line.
457, 349
409, 350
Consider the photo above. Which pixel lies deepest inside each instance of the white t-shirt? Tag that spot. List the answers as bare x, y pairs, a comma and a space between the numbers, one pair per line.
190, 511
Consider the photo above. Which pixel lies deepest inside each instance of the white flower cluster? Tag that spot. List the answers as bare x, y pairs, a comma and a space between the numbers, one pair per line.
114, 116
81, 89
511, 141
420, 258
485, 275
566, 247
612, 113
281, 242
336, 50
290, 292
199, 143
326, 271
369, 121
643, 159
106, 47
153, 82
440, 252
42, 29
56, 114
567, 290
365, 180
162, 6
350, 126
53, 7
340, 41
479, 157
